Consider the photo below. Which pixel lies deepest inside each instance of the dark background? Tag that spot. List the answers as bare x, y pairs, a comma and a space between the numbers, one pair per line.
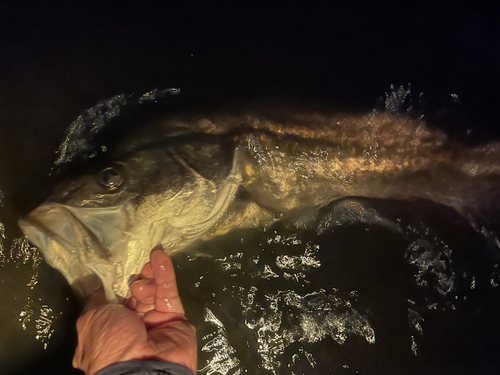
56, 60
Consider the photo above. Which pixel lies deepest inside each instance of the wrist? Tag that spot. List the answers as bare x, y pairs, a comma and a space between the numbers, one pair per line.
145, 367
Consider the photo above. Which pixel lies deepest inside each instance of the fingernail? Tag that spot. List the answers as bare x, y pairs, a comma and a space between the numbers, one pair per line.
157, 247
144, 282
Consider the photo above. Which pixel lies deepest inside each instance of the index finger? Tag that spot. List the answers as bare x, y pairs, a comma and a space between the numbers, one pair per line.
167, 295
147, 272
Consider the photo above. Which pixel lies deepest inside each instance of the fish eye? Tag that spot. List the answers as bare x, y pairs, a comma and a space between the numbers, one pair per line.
111, 178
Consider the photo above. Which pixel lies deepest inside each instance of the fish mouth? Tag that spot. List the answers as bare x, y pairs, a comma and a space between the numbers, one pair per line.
77, 241
61, 224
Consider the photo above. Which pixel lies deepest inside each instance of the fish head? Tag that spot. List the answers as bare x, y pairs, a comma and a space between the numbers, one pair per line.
100, 227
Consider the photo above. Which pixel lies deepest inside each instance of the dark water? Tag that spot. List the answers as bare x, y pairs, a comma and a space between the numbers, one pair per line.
386, 287
376, 287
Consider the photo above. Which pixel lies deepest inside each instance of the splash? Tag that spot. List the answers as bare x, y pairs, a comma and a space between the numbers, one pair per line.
156, 94
3, 238
224, 357
86, 126
430, 261
93, 120
43, 324
274, 321
35, 314
396, 99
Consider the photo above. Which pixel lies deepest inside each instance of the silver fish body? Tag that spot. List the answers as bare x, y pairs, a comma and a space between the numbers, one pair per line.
190, 179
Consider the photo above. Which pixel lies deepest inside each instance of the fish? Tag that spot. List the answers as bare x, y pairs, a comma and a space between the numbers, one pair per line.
188, 178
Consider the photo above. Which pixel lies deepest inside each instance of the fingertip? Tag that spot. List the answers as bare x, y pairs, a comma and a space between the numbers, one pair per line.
143, 308
147, 271
163, 268
131, 303
141, 284
143, 289
158, 254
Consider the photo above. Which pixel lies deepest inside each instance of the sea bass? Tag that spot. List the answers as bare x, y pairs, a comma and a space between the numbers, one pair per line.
186, 179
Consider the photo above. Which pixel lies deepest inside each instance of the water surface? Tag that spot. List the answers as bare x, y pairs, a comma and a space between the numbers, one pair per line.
368, 286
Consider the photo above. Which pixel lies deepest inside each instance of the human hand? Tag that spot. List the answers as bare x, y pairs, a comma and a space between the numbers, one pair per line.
152, 325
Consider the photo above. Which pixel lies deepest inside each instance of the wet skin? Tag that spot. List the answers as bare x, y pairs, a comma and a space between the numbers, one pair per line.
151, 326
